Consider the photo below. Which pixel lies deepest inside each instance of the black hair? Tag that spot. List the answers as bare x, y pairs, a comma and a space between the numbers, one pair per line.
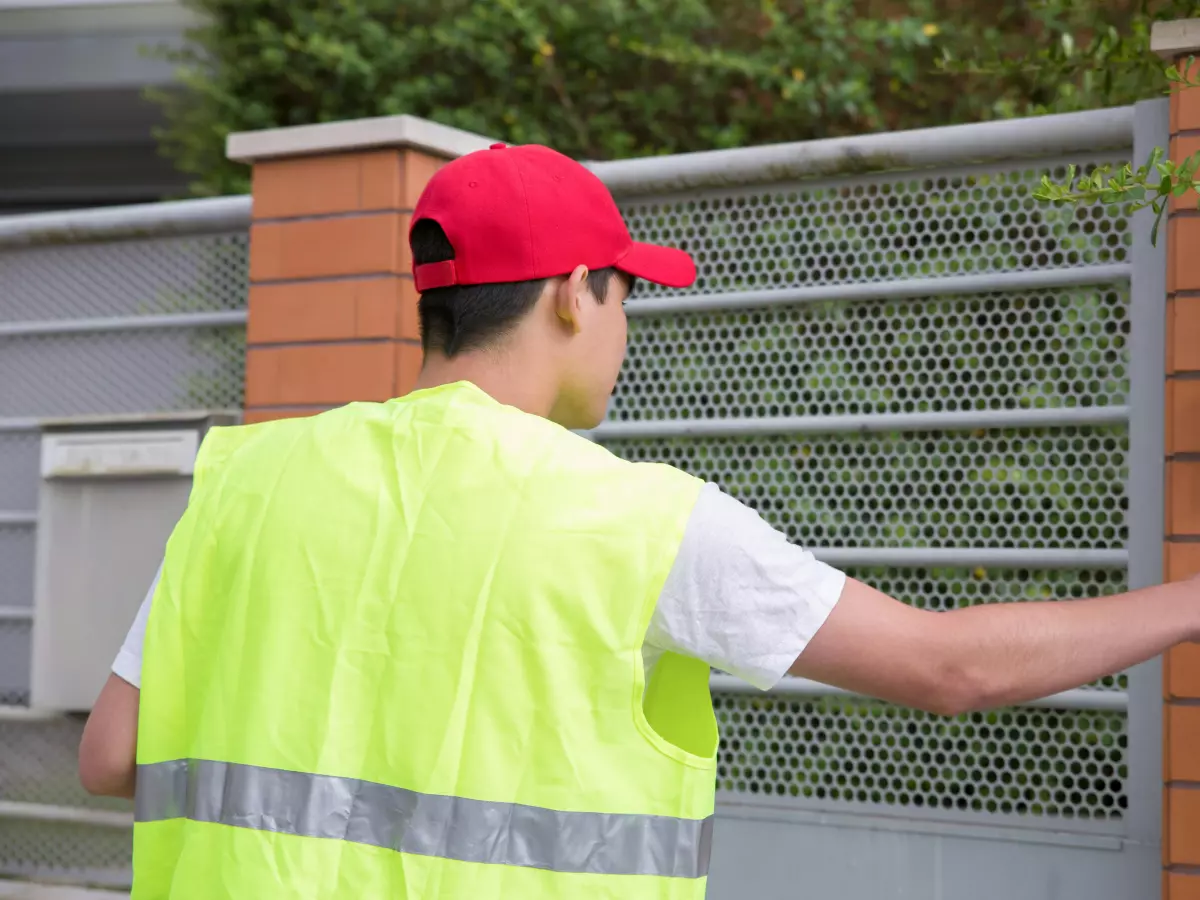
469, 317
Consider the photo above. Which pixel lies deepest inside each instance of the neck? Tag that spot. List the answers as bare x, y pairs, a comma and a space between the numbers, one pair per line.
523, 385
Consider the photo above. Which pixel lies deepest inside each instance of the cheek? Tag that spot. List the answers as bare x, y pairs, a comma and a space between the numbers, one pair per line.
622, 336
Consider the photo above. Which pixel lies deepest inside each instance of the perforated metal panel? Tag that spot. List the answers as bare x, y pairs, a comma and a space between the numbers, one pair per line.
66, 852
129, 371
1026, 350
881, 228
1029, 764
39, 763
1015, 488
999, 488
123, 278
74, 341
1032, 763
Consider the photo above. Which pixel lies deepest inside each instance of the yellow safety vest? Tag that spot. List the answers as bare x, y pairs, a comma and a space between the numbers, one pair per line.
395, 652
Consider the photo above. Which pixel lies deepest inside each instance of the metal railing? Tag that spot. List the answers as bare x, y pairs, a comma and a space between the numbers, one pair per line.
180, 218
835, 203
106, 312
1034, 138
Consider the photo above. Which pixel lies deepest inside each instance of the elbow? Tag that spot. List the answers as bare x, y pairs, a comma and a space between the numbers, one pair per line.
102, 780
108, 749
102, 774
960, 688
94, 780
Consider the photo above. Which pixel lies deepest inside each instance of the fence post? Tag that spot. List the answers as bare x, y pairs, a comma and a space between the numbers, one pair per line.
1147, 346
1177, 41
332, 307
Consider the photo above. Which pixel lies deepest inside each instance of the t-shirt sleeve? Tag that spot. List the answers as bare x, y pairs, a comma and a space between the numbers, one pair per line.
740, 596
128, 664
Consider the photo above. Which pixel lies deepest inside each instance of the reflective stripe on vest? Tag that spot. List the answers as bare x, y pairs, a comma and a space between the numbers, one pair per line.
364, 812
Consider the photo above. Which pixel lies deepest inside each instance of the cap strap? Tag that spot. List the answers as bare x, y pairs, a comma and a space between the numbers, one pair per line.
435, 275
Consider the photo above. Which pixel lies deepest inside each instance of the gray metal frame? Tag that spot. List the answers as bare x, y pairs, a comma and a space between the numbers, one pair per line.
181, 217
802, 687
885, 290
872, 422
1016, 139
1147, 482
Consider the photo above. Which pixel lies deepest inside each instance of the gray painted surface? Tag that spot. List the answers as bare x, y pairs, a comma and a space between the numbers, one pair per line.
99, 544
771, 858
1043, 136
18, 891
1147, 519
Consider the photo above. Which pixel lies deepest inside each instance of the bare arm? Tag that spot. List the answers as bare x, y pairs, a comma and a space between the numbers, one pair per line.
108, 751
994, 655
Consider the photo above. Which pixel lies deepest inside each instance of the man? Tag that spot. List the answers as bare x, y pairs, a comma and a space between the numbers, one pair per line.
444, 647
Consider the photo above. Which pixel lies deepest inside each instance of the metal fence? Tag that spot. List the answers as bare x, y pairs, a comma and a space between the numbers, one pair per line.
924, 374
131, 310
892, 352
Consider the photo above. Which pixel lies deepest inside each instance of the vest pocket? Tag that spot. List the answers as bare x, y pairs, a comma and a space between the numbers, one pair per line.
678, 706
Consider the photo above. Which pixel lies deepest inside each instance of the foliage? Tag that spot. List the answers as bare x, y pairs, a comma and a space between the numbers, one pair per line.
1078, 55
1132, 188
619, 78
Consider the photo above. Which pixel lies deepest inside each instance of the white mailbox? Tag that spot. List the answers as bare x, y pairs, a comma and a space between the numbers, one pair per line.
112, 491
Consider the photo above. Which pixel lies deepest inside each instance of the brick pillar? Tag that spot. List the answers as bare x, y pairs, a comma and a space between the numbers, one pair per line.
1176, 41
332, 309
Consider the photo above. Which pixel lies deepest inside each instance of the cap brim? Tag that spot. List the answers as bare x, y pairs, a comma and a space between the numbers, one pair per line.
661, 265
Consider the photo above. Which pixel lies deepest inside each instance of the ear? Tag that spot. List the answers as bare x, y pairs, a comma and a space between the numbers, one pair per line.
570, 299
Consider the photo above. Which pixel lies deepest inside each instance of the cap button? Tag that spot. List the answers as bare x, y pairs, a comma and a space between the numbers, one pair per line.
498, 147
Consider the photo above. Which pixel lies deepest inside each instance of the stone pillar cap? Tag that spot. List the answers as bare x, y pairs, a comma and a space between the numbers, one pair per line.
398, 132
1177, 38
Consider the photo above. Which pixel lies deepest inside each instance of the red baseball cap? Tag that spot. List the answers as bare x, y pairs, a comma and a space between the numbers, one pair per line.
524, 213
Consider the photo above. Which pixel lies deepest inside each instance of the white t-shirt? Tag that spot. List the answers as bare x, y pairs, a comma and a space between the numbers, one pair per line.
740, 597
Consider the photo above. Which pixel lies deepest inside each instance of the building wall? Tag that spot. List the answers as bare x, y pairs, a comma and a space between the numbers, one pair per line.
1181, 844
75, 129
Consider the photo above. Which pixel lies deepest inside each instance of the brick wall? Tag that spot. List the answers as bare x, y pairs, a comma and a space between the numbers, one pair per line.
1181, 744
332, 314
